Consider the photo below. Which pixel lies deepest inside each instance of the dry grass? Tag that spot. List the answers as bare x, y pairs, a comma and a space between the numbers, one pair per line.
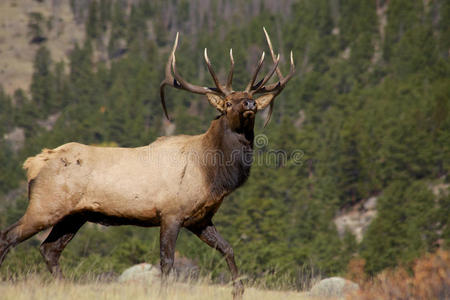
430, 279
34, 287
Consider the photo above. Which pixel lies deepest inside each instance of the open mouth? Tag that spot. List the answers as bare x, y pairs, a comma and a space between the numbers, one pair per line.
249, 114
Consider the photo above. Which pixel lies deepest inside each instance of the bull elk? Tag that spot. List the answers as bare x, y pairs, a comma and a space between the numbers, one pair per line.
174, 182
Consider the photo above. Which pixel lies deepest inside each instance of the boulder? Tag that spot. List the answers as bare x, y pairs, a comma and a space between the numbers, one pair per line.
141, 272
184, 269
333, 287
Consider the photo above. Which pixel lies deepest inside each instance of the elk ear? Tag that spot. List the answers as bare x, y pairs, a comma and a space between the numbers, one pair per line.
264, 100
216, 101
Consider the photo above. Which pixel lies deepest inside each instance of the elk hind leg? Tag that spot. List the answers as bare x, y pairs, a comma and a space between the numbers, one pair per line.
62, 233
7, 241
17, 233
40, 214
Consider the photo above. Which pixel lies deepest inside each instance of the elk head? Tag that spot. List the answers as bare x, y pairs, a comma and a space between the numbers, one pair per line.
238, 107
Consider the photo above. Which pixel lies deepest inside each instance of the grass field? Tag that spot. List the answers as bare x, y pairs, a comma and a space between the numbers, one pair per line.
36, 288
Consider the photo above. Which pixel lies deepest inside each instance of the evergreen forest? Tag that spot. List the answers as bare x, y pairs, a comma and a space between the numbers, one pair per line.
365, 116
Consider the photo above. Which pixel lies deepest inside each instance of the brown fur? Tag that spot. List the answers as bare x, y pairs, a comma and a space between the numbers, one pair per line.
170, 183
174, 182
236, 156
33, 165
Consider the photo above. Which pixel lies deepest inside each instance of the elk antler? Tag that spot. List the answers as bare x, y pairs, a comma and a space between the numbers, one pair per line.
255, 73
178, 82
221, 88
230, 74
263, 81
175, 80
274, 88
278, 86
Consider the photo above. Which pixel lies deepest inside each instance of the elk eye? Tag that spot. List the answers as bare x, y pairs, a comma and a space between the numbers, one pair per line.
228, 104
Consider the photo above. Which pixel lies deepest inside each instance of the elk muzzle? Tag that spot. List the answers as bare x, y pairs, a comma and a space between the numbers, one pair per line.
250, 108
249, 104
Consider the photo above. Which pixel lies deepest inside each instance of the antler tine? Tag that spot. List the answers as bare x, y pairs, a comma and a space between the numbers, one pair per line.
230, 74
175, 80
169, 80
278, 86
162, 97
280, 76
281, 83
281, 80
183, 84
291, 71
267, 77
255, 73
269, 114
213, 74
172, 55
292, 63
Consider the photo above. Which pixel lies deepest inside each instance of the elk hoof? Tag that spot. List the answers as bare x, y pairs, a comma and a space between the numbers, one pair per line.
238, 290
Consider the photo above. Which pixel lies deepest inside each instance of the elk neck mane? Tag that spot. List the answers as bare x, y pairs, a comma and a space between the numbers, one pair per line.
229, 156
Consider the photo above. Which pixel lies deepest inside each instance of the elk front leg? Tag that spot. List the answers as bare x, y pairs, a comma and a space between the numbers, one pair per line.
212, 238
167, 240
61, 234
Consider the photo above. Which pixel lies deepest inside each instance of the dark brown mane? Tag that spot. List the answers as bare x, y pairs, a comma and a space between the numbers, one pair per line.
228, 158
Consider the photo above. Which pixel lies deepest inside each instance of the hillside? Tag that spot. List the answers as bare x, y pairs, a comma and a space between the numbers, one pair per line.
17, 51
363, 127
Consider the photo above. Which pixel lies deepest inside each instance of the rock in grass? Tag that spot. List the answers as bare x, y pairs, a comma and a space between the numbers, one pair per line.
144, 272
333, 287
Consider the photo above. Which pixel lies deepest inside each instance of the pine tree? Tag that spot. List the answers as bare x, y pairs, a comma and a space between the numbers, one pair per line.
93, 23
404, 228
42, 88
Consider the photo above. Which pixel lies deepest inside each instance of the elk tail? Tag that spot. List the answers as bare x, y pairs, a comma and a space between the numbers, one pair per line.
33, 165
